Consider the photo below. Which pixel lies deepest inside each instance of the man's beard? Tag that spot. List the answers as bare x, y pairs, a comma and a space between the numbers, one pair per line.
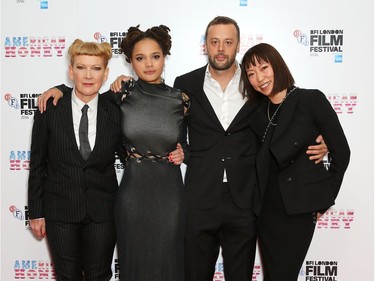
225, 66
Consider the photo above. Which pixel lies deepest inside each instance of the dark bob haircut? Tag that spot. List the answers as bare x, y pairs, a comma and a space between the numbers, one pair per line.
283, 79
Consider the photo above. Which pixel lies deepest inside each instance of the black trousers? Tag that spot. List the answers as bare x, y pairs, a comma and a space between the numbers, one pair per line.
225, 226
83, 250
283, 239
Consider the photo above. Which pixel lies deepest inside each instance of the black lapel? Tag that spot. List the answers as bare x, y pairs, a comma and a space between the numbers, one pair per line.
200, 96
257, 120
65, 105
101, 121
245, 111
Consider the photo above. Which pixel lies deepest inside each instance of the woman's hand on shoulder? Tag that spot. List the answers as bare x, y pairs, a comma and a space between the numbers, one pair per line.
117, 84
54, 93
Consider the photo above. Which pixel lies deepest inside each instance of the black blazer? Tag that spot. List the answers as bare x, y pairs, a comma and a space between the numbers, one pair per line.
305, 186
213, 149
62, 186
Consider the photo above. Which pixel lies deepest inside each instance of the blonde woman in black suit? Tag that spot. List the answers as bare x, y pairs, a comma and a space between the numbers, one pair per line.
72, 182
294, 191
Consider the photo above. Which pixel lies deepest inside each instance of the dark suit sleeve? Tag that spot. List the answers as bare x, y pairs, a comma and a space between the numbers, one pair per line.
184, 142
112, 96
38, 164
175, 83
178, 83
120, 149
108, 95
63, 88
329, 126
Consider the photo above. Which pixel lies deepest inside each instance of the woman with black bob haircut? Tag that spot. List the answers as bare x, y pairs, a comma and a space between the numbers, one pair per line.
293, 191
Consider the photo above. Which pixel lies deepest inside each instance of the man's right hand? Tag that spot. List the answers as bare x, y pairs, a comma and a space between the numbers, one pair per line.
55, 93
117, 84
38, 227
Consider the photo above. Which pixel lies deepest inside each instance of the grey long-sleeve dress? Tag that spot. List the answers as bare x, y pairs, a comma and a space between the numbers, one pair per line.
149, 209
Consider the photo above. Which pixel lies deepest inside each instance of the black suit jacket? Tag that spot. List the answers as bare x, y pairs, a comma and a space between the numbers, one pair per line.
213, 149
305, 186
62, 186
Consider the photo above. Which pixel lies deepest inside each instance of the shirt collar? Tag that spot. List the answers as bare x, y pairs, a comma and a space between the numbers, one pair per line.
93, 104
237, 73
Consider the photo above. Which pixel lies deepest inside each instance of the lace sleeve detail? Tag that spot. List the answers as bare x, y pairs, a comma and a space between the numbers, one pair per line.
185, 101
127, 88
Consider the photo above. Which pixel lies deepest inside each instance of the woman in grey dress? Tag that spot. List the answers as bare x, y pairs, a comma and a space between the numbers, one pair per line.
149, 207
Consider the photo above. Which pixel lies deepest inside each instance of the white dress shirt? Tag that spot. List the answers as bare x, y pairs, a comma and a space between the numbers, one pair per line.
92, 113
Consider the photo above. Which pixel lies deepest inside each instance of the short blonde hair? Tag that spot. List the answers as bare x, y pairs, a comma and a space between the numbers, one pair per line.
80, 47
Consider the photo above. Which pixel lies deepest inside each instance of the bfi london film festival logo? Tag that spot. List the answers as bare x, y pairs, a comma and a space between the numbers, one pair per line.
115, 39
21, 215
34, 270
246, 42
323, 41
219, 272
119, 166
19, 160
320, 271
343, 103
27, 103
34, 46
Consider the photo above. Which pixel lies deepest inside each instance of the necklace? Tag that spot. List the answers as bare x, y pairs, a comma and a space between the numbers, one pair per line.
268, 114
270, 123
